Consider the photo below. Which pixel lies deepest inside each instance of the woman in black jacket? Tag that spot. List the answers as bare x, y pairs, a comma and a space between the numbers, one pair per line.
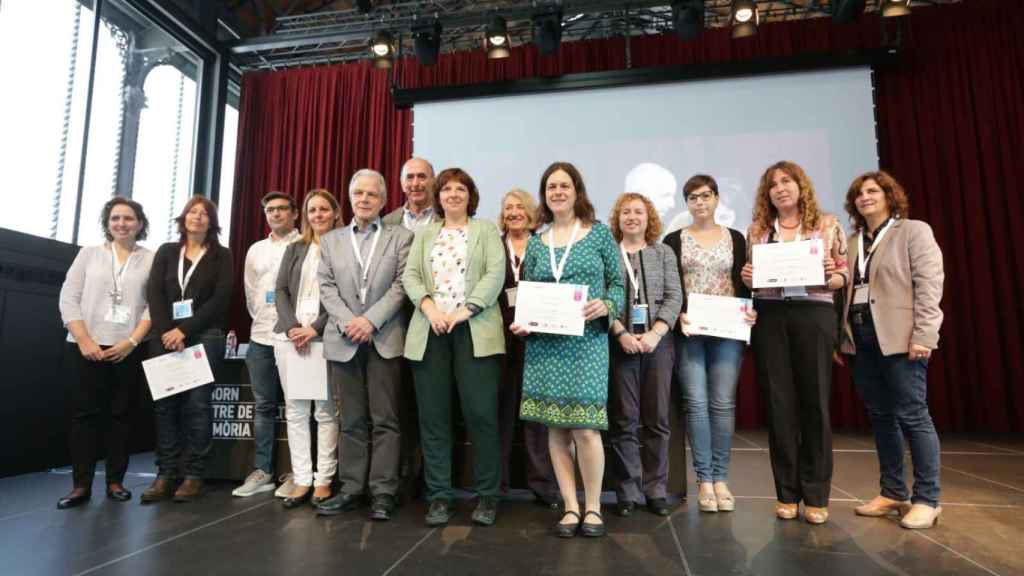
189, 294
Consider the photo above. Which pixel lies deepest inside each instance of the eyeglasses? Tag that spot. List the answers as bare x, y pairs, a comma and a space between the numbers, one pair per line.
693, 198
272, 209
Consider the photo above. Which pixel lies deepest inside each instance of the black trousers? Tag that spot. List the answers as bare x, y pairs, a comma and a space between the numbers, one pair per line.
793, 343
101, 404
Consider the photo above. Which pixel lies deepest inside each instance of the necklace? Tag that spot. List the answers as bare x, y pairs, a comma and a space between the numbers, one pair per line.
797, 225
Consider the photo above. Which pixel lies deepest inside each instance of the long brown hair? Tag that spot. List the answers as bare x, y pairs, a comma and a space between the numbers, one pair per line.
307, 229
212, 232
583, 209
765, 212
895, 197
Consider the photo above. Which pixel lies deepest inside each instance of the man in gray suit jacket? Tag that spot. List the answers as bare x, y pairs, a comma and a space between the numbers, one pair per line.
418, 186
361, 288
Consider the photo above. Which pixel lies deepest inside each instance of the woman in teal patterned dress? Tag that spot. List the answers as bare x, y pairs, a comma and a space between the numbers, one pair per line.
565, 378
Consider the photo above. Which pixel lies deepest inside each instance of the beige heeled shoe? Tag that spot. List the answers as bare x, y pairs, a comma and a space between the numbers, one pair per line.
882, 506
815, 515
786, 511
706, 497
724, 498
921, 516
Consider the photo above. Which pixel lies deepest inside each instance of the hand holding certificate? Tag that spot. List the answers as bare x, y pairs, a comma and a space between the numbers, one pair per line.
177, 372
719, 316
551, 308
783, 264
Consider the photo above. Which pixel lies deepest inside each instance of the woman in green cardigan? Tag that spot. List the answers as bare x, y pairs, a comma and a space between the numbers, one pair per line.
455, 271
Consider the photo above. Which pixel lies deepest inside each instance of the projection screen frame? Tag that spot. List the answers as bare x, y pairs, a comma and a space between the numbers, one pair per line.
873, 57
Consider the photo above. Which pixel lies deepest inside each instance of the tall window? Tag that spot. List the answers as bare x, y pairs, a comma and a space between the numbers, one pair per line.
141, 133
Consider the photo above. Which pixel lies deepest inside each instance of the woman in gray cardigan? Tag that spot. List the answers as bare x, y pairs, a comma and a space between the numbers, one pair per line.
642, 358
300, 320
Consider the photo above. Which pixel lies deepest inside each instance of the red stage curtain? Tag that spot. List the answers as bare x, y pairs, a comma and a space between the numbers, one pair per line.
950, 118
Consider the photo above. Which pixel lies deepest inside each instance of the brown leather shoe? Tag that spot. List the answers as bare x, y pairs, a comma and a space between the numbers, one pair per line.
882, 506
160, 489
189, 490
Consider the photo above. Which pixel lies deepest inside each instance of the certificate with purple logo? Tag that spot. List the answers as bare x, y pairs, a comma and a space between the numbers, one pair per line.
551, 308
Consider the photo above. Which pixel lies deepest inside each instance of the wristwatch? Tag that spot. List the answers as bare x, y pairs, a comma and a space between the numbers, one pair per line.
473, 309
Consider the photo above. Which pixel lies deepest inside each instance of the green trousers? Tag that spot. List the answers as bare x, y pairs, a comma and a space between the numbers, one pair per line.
449, 362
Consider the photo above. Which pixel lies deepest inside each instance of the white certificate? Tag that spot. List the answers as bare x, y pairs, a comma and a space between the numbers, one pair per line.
719, 316
551, 308
303, 376
176, 372
782, 264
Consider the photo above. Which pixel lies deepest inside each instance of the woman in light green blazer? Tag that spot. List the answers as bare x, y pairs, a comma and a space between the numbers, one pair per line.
455, 271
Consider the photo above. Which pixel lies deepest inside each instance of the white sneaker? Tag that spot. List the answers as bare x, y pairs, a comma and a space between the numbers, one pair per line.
258, 481
286, 488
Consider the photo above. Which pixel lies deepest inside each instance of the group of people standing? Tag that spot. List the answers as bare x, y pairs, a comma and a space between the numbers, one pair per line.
432, 286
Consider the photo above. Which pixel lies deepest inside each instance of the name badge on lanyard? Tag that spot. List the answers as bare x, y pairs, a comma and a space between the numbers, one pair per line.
309, 307
637, 311
791, 291
364, 267
860, 291
118, 312
860, 294
269, 297
182, 309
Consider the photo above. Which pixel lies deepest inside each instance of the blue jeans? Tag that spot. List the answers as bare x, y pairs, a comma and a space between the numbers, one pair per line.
266, 391
708, 368
895, 391
186, 416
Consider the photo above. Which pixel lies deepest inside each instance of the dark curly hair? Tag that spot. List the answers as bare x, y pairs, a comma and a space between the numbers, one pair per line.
895, 197
140, 215
460, 176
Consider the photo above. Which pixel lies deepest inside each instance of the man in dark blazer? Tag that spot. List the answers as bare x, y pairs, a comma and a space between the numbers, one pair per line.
418, 187
361, 288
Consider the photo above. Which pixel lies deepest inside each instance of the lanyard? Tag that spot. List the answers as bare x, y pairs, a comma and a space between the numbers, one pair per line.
557, 270
118, 274
862, 261
632, 273
183, 277
364, 266
778, 233
309, 272
516, 267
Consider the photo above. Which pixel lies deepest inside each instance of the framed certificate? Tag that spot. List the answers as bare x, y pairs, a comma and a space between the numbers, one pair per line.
783, 264
719, 316
551, 308
177, 372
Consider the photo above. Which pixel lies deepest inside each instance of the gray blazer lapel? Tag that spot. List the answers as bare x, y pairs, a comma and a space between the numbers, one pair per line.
386, 237
345, 262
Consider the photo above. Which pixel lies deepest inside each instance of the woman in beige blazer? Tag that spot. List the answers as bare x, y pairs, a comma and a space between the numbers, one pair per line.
891, 325
455, 271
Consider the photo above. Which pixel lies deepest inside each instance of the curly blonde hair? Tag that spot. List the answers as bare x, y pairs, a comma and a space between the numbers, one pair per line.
765, 212
653, 220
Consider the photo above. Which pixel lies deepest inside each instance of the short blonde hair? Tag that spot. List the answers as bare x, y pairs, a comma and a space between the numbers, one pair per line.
653, 220
527, 200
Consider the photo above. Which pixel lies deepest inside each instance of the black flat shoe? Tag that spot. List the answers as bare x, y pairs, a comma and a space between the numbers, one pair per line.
563, 530
119, 494
593, 530
73, 500
296, 501
658, 506
339, 503
625, 508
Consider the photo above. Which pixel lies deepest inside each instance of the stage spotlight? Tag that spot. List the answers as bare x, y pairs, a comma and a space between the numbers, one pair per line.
497, 42
427, 42
547, 32
382, 47
846, 11
892, 8
688, 18
745, 18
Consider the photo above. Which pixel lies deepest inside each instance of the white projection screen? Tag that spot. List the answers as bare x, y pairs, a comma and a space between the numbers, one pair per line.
651, 138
